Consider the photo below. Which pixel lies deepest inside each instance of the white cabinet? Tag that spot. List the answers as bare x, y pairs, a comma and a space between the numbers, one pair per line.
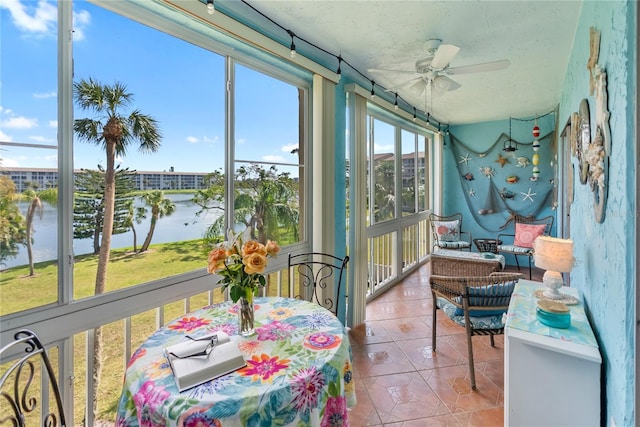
552, 376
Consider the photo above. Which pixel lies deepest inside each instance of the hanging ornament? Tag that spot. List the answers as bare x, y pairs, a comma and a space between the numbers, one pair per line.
535, 159
536, 129
535, 173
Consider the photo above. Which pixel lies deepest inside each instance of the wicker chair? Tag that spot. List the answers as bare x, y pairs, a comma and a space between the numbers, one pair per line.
320, 276
30, 367
476, 303
447, 232
546, 225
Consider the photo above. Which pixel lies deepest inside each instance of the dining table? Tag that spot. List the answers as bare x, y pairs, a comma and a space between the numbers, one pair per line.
298, 371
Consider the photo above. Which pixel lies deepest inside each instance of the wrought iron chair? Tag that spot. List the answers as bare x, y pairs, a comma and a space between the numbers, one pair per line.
526, 230
30, 367
476, 303
320, 277
447, 232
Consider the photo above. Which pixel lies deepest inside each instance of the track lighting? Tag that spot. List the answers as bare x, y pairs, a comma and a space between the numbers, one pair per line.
211, 9
293, 45
419, 87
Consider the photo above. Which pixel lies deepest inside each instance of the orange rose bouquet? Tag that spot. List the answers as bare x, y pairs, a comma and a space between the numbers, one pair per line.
241, 265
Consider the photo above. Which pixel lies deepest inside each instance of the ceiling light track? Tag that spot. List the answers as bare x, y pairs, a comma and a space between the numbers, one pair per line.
339, 58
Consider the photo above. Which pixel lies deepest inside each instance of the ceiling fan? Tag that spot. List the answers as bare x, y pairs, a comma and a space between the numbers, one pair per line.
434, 69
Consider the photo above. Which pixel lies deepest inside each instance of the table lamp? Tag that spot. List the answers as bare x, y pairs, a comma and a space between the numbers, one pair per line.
556, 256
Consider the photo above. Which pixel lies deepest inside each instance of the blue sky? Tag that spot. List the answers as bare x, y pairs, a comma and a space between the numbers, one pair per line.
177, 83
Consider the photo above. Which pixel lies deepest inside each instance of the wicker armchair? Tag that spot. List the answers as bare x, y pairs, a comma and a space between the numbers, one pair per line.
477, 303
447, 233
511, 245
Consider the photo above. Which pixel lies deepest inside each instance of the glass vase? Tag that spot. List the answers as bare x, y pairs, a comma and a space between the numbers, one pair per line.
245, 317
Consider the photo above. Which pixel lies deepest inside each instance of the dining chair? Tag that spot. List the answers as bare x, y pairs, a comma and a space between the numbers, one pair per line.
476, 303
319, 276
30, 367
446, 231
526, 230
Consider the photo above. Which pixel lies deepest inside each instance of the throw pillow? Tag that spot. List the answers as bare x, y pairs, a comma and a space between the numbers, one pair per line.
499, 294
527, 233
448, 231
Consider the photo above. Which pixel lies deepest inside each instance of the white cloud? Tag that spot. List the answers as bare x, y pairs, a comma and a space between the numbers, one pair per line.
208, 139
383, 148
51, 94
289, 148
39, 138
19, 122
80, 21
192, 140
4, 137
9, 163
53, 123
41, 19
241, 141
273, 158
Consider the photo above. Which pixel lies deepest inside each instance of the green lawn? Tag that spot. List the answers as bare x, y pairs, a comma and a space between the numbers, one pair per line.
19, 292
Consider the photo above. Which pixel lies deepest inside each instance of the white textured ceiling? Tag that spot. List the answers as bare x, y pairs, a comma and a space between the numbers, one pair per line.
535, 36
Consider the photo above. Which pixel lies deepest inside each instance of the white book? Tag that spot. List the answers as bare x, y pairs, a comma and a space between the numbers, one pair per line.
196, 361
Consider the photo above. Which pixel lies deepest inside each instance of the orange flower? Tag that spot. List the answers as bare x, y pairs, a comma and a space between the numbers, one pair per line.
252, 247
254, 263
216, 260
272, 248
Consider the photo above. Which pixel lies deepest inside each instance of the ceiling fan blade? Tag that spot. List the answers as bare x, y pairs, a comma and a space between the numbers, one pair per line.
377, 70
479, 68
443, 56
405, 84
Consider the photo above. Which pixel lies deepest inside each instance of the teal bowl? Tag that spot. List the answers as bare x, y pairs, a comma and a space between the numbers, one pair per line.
555, 320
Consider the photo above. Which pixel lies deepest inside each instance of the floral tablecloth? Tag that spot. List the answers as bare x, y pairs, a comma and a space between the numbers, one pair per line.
298, 373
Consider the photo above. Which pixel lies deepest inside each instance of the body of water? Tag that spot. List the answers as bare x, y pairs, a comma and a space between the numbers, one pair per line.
183, 224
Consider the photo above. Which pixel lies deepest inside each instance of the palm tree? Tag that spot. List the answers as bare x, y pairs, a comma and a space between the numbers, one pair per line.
266, 203
160, 207
114, 131
137, 215
36, 207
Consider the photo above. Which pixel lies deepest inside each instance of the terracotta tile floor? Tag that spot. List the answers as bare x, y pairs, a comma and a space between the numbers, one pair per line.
401, 382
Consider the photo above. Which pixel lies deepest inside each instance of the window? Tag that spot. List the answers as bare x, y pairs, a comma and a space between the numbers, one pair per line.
28, 159
168, 199
383, 170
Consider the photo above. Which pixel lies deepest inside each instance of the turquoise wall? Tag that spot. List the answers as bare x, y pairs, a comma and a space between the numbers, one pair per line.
606, 253
472, 147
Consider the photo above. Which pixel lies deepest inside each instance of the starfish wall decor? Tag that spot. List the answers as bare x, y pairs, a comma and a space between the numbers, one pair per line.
502, 160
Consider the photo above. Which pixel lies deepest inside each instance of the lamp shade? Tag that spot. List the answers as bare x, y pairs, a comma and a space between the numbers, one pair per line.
552, 253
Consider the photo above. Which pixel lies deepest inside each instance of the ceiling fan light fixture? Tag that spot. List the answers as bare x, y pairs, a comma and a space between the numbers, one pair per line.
441, 83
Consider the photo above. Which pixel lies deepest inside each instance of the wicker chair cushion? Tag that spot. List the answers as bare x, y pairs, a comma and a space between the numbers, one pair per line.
515, 249
527, 233
500, 295
454, 245
448, 231
477, 322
